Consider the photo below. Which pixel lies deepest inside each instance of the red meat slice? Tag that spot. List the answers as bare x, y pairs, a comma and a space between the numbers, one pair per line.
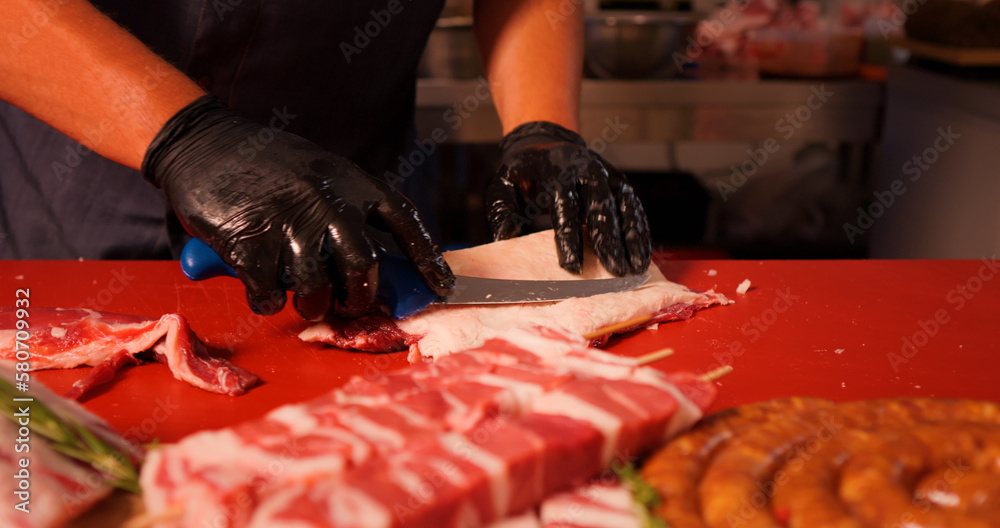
694, 388
572, 452
70, 338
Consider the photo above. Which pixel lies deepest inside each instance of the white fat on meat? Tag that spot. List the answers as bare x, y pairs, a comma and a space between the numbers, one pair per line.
560, 349
443, 329
302, 421
571, 353
383, 436
522, 392
210, 467
495, 468
422, 489
296, 418
687, 413
525, 520
562, 404
220, 459
592, 506
334, 505
410, 416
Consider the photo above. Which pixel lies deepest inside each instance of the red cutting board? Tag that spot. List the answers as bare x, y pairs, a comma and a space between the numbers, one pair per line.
833, 329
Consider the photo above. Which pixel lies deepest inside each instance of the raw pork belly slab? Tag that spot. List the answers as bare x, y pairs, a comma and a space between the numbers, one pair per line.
467, 479
502, 425
63, 339
440, 330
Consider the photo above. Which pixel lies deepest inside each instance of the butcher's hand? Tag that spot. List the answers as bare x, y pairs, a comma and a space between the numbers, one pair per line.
285, 213
548, 168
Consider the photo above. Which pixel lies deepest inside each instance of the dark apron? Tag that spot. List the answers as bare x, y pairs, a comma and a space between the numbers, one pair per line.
341, 74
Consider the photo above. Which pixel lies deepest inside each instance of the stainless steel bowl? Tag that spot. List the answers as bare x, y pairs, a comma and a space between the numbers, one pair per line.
451, 51
636, 44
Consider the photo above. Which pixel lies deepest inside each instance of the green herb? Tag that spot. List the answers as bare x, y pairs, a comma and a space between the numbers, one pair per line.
645, 495
73, 440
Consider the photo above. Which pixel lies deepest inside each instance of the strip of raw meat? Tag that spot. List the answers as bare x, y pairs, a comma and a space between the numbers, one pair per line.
69, 338
224, 474
102, 373
58, 488
601, 503
594, 505
525, 520
441, 329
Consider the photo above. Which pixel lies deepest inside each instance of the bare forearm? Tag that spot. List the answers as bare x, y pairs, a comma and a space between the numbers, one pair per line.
72, 67
533, 55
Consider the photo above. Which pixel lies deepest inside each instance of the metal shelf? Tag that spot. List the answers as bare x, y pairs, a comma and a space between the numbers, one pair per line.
656, 111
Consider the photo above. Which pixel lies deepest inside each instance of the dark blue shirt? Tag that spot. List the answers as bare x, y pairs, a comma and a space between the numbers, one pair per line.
342, 74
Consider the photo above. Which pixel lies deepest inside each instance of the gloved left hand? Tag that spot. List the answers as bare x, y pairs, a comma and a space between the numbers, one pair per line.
548, 168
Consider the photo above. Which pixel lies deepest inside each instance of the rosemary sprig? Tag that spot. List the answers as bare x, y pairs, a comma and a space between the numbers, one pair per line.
73, 440
645, 495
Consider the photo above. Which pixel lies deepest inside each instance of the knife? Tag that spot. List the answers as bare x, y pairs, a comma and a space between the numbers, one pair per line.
404, 292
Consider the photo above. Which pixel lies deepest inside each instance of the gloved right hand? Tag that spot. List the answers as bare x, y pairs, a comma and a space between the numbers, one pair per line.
290, 216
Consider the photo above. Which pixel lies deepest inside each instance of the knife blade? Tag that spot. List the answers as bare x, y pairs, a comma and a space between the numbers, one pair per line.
405, 294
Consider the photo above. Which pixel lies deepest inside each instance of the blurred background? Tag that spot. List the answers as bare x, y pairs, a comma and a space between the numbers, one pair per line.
761, 128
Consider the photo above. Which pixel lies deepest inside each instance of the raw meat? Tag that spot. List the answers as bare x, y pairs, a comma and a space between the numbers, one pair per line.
594, 505
69, 338
59, 488
441, 329
469, 479
478, 413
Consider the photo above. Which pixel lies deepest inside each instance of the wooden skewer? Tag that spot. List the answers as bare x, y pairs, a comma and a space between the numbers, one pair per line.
646, 359
713, 375
610, 329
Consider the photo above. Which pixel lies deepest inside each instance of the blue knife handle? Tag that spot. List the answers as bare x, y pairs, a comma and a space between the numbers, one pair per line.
399, 284
200, 262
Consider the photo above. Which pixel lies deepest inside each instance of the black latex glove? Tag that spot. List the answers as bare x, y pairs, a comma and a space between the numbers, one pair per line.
285, 213
547, 168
